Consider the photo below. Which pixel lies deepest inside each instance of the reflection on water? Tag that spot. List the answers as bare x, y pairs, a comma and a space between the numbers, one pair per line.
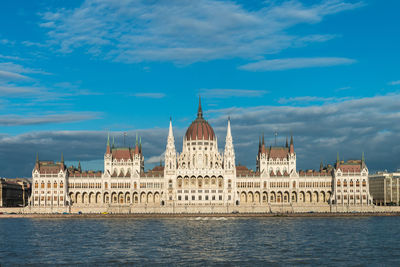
201, 241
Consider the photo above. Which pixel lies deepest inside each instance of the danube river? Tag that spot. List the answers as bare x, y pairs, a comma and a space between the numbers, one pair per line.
354, 241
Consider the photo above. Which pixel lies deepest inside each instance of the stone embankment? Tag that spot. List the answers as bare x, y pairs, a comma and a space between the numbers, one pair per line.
214, 211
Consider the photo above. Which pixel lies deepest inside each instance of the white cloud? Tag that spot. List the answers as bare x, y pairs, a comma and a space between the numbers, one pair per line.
14, 120
225, 93
395, 82
311, 99
150, 95
185, 31
296, 63
6, 75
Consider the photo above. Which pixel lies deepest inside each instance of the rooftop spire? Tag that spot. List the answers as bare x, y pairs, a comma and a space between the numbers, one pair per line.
79, 166
140, 144
199, 111
62, 157
362, 157
136, 139
37, 157
287, 145
113, 142
108, 151
228, 131
291, 149
263, 143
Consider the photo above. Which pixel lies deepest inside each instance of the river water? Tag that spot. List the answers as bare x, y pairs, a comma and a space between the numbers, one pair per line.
272, 241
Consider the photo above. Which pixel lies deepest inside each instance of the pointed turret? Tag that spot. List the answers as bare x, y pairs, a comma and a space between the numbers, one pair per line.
287, 144
263, 143
337, 160
37, 164
137, 145
228, 130
62, 158
291, 149
113, 143
108, 150
79, 166
229, 154
140, 144
199, 111
170, 152
321, 166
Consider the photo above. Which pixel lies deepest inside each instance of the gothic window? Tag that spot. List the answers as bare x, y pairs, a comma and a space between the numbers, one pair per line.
351, 183
48, 185
42, 185
36, 185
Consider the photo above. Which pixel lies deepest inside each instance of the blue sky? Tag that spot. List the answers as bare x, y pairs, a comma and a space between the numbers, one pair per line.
326, 71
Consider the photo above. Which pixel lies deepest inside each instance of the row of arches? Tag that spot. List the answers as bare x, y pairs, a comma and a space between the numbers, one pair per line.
115, 198
284, 197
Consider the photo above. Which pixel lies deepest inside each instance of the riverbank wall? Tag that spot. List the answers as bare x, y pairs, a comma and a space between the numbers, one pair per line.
250, 209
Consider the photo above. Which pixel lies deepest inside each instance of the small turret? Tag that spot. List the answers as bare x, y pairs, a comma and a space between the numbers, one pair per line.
108, 150
291, 149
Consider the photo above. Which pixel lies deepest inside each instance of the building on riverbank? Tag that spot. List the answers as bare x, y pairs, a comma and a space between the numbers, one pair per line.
385, 188
198, 179
14, 192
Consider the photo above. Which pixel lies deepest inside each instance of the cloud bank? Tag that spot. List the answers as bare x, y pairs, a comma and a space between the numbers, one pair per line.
349, 127
185, 31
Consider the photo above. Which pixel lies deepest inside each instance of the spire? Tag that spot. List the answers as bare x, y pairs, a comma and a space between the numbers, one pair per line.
79, 166
108, 151
113, 143
337, 160
321, 166
136, 139
62, 157
37, 157
362, 157
291, 149
140, 144
287, 142
199, 111
228, 131
170, 132
263, 143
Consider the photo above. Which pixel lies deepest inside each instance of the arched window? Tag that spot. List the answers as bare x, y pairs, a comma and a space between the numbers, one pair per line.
61, 185
36, 185
55, 185
48, 185
351, 183
42, 185
338, 183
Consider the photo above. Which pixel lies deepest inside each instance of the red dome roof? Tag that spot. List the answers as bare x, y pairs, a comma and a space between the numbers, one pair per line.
200, 129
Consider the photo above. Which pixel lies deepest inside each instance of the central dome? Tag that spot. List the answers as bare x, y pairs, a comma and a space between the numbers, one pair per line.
200, 129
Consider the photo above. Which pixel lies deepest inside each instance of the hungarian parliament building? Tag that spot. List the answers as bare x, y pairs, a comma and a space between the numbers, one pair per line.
199, 179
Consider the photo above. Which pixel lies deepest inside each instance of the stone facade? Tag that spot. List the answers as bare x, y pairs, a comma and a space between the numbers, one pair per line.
199, 179
385, 188
14, 192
